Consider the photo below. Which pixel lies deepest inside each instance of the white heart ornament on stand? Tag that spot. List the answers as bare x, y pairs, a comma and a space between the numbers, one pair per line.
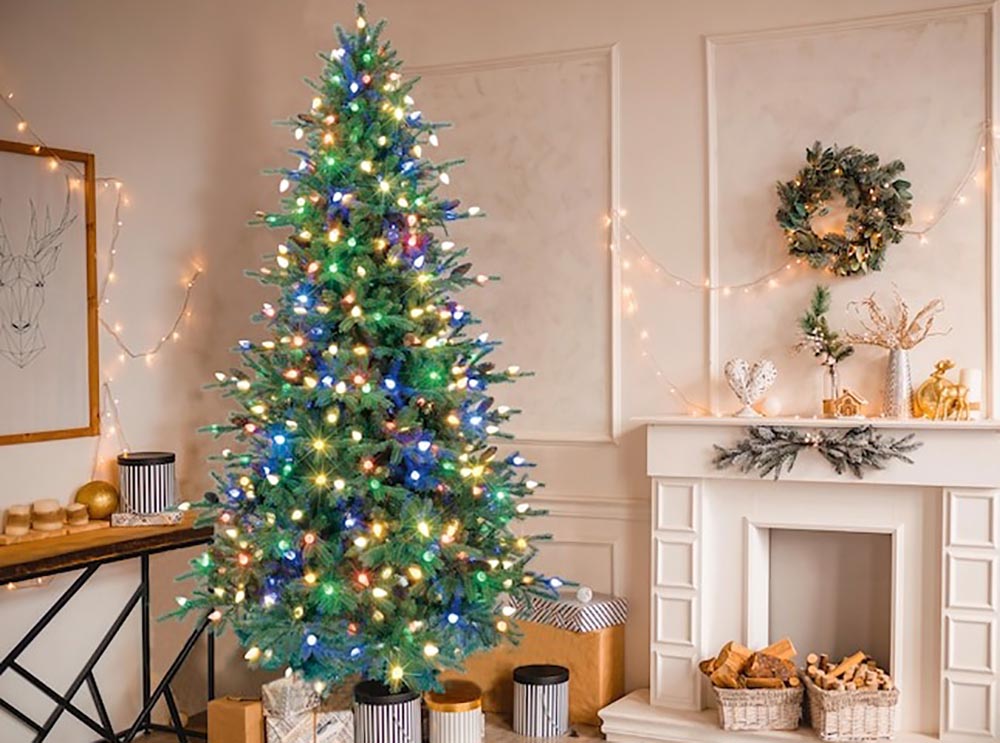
749, 382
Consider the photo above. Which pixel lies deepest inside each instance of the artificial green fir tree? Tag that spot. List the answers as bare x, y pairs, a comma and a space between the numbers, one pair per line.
364, 516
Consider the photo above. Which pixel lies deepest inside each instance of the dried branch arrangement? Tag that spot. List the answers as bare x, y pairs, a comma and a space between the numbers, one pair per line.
894, 329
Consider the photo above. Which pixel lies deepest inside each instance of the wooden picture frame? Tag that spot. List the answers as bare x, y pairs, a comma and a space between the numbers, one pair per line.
26, 312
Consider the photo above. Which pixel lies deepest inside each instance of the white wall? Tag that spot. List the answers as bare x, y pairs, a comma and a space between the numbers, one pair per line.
176, 99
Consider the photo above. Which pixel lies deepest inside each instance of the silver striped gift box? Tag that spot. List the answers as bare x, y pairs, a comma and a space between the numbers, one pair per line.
382, 716
455, 715
541, 701
570, 613
146, 480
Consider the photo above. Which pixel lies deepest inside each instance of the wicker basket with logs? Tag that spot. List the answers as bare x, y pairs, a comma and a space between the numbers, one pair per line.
850, 700
756, 690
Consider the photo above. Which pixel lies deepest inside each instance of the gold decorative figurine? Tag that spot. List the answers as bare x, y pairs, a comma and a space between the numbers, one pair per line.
941, 399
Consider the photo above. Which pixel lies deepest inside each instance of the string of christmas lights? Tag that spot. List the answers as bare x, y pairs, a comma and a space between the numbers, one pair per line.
109, 403
692, 407
957, 196
112, 427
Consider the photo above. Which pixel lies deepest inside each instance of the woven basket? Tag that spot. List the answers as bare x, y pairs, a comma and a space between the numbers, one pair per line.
759, 709
852, 715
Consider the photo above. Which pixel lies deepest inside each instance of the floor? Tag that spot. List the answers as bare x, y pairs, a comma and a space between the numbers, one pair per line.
497, 731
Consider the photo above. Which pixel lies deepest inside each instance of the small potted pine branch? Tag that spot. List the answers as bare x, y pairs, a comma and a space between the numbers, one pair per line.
824, 343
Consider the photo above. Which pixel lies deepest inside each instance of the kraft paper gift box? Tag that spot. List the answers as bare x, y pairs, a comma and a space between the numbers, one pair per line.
587, 638
235, 720
295, 713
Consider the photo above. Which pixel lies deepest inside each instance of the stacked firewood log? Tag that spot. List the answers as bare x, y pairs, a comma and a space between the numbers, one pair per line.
852, 673
738, 667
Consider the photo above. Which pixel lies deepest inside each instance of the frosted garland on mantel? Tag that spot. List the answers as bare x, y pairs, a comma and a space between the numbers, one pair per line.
768, 450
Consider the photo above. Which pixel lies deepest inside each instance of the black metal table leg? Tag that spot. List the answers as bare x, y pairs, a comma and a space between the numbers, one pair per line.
103, 726
165, 682
47, 617
56, 697
146, 636
102, 710
175, 715
20, 716
89, 665
210, 651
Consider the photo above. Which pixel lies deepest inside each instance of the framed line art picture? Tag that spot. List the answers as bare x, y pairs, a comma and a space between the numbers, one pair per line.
49, 363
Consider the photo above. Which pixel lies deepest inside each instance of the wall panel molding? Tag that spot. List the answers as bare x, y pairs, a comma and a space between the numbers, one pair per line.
603, 508
608, 55
612, 547
991, 272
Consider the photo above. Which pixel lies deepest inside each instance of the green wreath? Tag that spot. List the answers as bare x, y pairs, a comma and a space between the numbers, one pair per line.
879, 204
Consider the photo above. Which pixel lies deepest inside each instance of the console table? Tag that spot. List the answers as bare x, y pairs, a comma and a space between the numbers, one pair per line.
88, 551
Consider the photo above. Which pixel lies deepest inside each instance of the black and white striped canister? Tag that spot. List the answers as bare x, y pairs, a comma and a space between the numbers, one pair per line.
455, 715
146, 480
541, 701
383, 716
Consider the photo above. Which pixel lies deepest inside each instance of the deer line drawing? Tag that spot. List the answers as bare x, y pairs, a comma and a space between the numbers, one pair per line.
22, 282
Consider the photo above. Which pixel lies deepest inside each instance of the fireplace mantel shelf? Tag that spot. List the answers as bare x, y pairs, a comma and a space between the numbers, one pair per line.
951, 453
913, 424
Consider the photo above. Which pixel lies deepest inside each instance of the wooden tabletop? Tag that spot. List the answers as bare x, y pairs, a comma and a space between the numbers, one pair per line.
42, 557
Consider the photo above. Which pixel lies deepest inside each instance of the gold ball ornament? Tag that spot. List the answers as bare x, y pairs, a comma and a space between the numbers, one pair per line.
101, 499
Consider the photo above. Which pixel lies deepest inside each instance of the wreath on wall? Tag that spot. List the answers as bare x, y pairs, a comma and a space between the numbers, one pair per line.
879, 203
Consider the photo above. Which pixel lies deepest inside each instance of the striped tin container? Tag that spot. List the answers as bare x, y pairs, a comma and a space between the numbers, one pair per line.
541, 701
381, 716
147, 482
456, 714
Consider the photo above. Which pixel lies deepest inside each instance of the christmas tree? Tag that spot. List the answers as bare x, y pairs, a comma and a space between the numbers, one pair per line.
364, 516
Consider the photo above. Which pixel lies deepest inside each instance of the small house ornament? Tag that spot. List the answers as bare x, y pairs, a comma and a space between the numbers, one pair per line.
848, 404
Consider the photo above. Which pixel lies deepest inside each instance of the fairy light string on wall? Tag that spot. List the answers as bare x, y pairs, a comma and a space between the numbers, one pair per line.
647, 262
109, 404
645, 259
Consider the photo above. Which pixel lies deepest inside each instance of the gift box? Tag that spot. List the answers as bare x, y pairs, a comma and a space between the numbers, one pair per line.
595, 657
295, 713
235, 720
570, 613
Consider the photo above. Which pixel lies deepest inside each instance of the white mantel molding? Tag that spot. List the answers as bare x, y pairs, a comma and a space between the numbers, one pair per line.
952, 454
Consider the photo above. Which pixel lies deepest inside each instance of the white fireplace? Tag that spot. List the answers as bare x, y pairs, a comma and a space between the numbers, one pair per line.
928, 602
